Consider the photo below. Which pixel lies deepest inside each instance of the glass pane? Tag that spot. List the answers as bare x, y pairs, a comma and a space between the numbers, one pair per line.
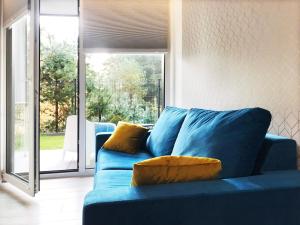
58, 93
121, 87
19, 104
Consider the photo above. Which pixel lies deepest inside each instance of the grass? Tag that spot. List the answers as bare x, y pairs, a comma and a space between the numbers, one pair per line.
48, 142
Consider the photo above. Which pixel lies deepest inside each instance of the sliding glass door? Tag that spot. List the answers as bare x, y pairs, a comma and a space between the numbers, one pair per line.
21, 97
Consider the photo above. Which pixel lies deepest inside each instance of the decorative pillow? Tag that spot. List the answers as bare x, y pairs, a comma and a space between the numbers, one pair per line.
163, 136
234, 137
170, 169
127, 138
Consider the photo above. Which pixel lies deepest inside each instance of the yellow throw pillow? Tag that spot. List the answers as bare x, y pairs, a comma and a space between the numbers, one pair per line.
170, 169
127, 137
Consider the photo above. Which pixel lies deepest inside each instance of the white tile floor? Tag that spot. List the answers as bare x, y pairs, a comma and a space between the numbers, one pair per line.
59, 202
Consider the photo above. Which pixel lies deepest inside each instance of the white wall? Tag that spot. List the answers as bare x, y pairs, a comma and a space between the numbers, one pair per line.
1, 80
242, 53
175, 49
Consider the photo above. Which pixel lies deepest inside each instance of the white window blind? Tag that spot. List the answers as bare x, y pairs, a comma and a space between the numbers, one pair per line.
135, 25
59, 7
13, 9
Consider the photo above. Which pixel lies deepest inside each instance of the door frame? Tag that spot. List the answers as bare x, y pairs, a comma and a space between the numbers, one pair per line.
82, 170
32, 186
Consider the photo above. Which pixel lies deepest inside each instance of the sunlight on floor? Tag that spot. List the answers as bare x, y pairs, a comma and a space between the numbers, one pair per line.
59, 202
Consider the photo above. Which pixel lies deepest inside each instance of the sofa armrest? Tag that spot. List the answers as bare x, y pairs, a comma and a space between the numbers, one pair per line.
277, 153
101, 138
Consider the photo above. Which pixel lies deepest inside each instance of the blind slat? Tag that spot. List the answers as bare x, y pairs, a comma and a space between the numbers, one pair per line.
125, 24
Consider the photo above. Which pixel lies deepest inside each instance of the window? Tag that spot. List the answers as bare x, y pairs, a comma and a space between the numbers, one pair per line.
123, 87
58, 93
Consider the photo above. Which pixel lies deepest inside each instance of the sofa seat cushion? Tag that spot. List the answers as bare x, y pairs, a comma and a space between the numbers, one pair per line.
234, 137
113, 160
119, 181
165, 131
270, 199
112, 179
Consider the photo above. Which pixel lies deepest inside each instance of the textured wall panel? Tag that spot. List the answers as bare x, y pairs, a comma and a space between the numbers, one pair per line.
243, 53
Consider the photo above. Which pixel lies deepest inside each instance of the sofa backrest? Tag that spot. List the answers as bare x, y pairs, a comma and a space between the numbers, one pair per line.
277, 153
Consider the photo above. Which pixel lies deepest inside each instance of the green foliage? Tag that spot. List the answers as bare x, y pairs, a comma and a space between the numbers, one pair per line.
49, 142
57, 87
127, 88
98, 96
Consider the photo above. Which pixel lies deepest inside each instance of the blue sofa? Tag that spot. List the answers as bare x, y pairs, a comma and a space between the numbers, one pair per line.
270, 196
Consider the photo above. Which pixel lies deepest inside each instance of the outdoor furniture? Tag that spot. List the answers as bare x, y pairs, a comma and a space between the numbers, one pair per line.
70, 140
92, 128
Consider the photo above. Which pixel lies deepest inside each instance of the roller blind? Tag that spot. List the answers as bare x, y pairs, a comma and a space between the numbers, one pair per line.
125, 24
59, 7
13, 9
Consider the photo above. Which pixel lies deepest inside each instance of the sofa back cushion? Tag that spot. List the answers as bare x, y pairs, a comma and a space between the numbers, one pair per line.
163, 136
234, 137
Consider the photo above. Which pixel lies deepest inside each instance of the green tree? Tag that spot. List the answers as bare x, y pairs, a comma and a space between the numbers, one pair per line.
58, 70
152, 69
98, 96
126, 78
125, 89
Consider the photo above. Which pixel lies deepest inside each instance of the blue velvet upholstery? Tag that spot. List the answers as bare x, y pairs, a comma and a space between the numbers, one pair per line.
102, 132
114, 160
234, 137
101, 138
269, 199
165, 131
104, 127
277, 153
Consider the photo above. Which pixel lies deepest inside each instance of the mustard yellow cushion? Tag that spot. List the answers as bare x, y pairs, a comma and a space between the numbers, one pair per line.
170, 169
127, 138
